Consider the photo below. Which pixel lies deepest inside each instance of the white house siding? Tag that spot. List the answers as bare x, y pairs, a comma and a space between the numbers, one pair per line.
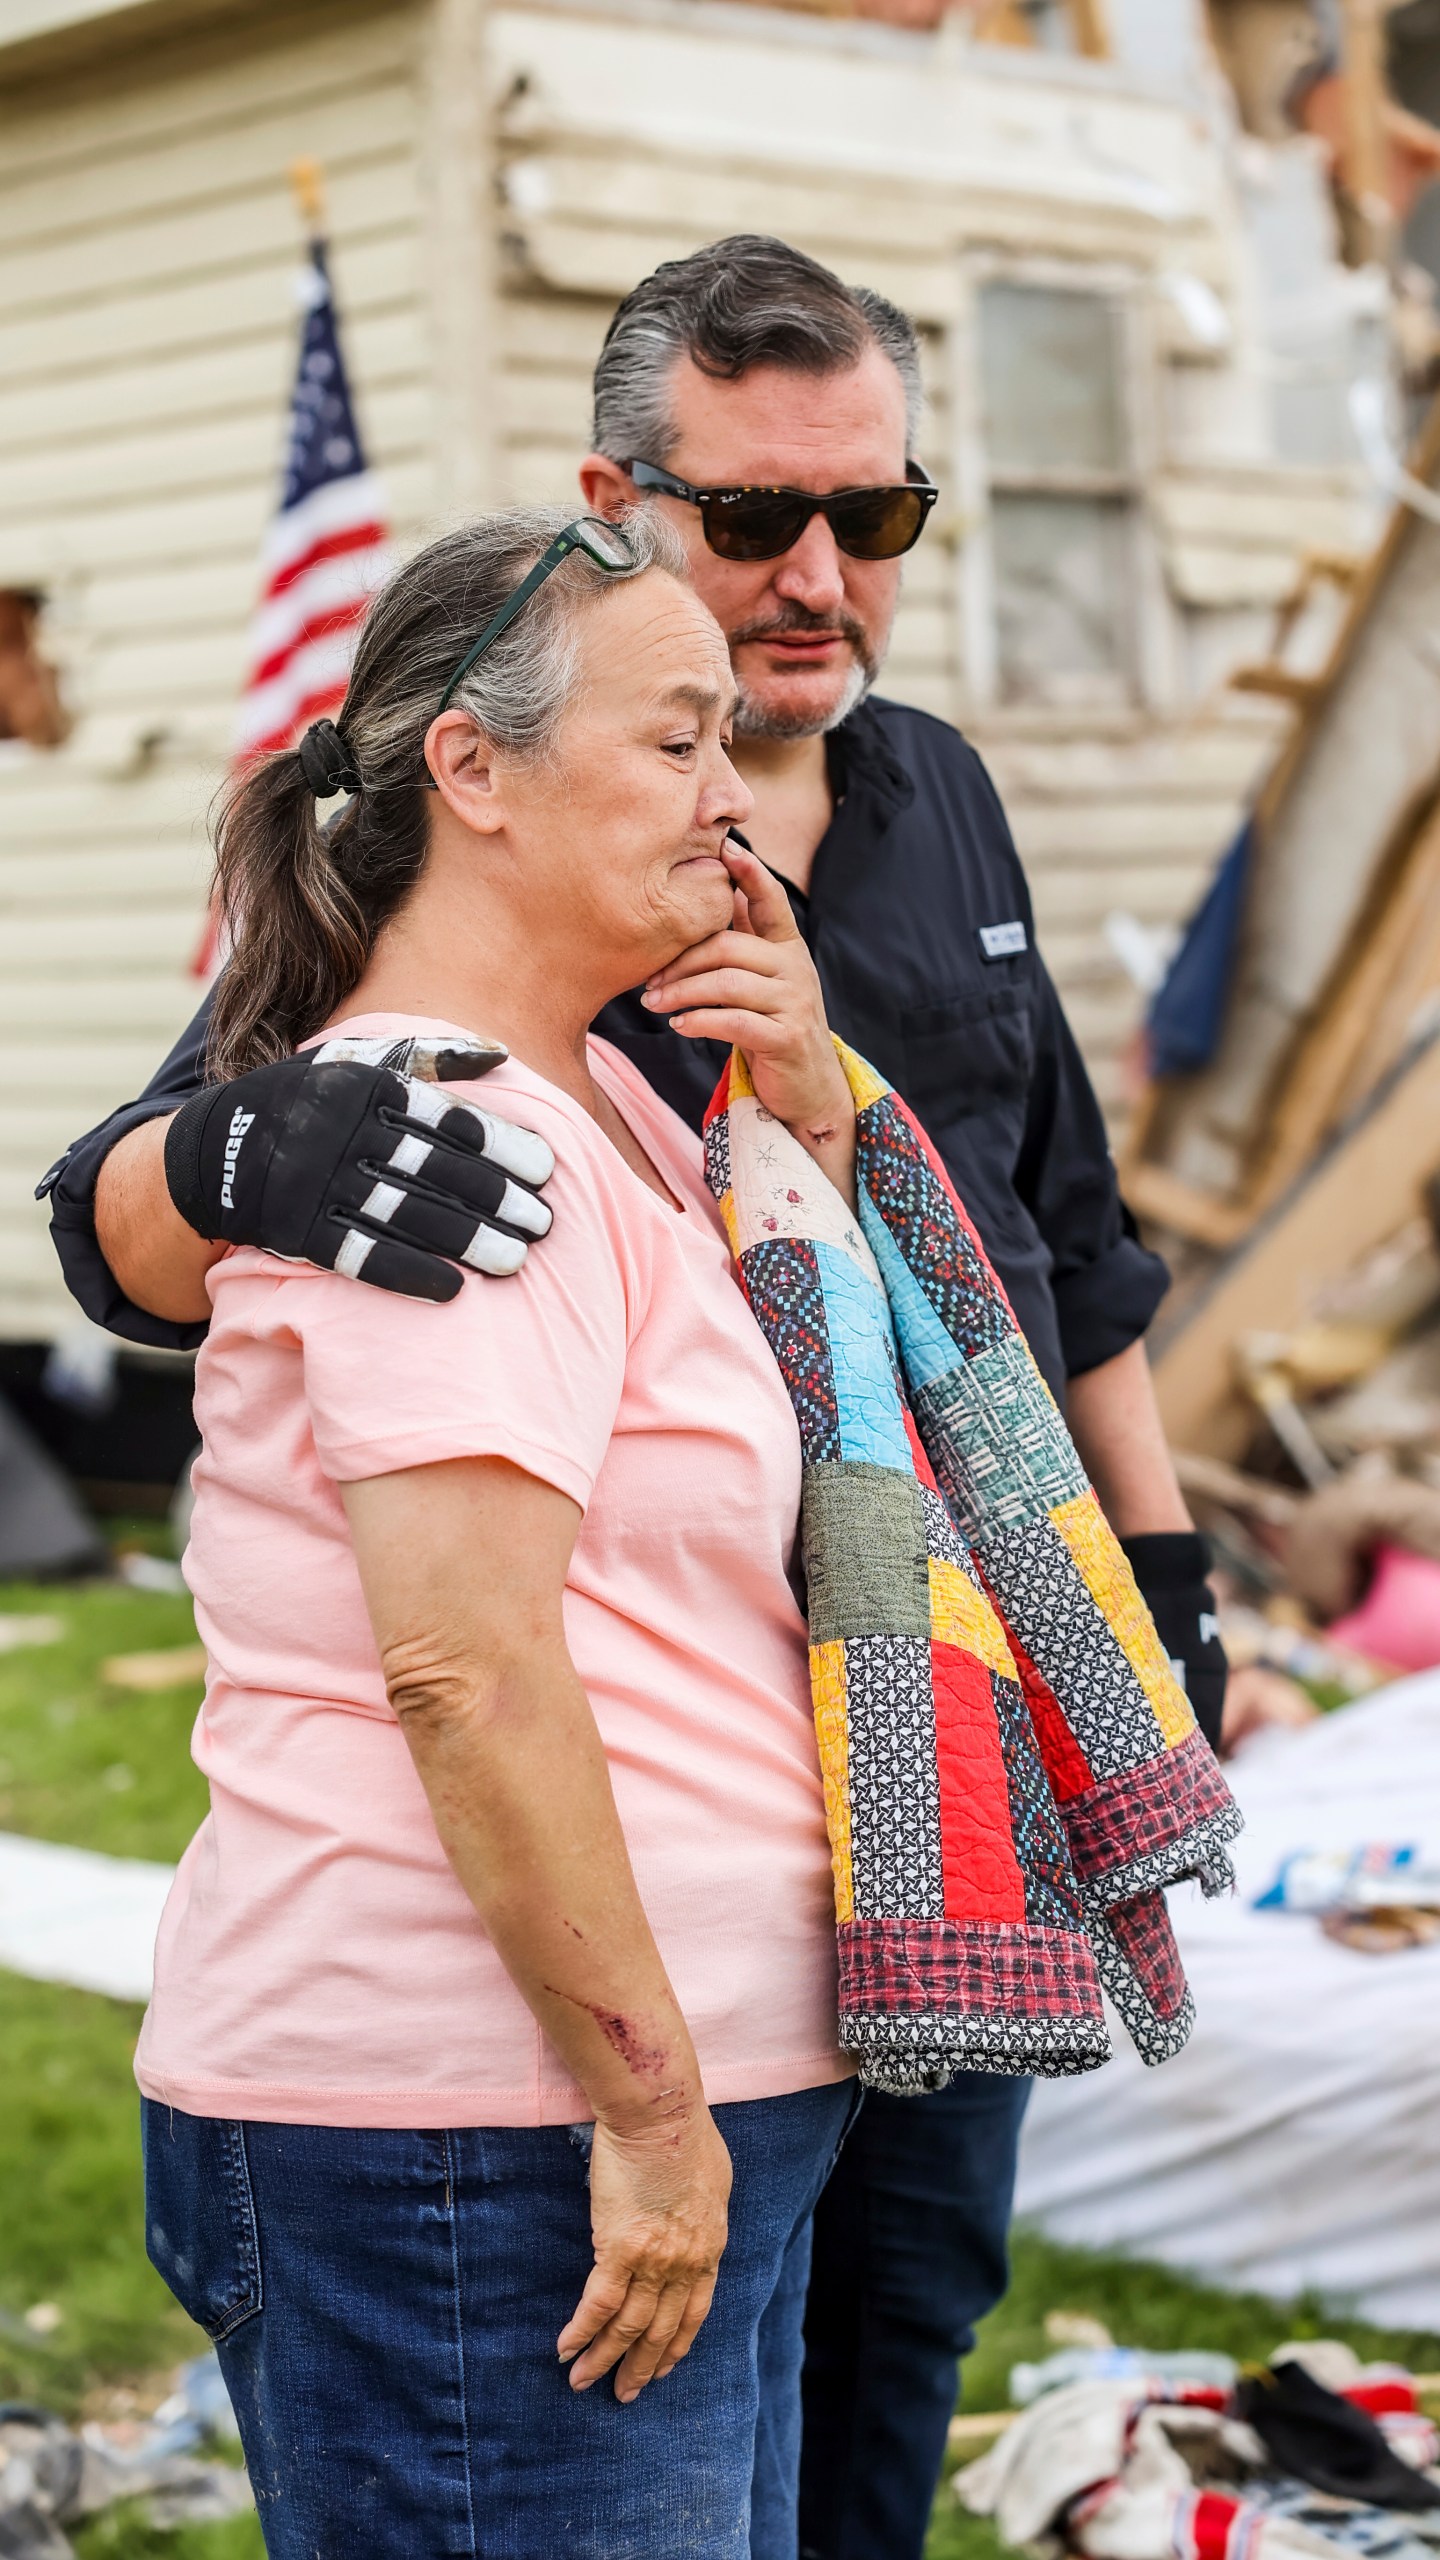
629, 134
147, 328
147, 240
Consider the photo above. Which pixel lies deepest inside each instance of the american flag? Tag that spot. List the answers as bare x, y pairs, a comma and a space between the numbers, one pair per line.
325, 551
321, 561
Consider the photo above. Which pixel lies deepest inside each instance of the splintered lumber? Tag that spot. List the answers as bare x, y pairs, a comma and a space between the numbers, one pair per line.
1340, 939
1360, 1191
1214, 1480
977, 2429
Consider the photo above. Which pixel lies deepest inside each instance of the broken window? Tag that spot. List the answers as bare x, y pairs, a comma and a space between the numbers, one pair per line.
30, 705
1061, 493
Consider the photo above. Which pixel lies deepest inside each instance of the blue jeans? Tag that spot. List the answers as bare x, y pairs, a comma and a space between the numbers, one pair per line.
909, 2252
386, 2306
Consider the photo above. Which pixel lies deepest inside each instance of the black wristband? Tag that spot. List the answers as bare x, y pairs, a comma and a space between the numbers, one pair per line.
183, 1140
1170, 1567
1170, 1558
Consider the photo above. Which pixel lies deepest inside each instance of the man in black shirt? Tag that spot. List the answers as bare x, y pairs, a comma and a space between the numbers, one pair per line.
771, 411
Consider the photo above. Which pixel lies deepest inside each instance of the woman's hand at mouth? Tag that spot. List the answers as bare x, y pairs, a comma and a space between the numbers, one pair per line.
755, 986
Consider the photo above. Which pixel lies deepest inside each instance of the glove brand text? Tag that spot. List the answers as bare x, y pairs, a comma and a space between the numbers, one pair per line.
239, 1123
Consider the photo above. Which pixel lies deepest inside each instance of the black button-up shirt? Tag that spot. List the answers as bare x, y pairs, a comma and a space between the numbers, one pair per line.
919, 919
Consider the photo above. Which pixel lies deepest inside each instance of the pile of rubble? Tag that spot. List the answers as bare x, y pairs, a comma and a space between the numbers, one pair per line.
53, 2476
1121, 2455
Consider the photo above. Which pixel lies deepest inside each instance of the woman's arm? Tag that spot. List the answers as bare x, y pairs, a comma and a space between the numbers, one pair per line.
463, 1567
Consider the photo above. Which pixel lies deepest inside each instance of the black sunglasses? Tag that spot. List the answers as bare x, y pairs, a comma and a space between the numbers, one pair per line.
758, 524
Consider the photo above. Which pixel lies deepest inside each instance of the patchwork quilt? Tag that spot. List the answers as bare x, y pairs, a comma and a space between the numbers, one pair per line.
1012, 1772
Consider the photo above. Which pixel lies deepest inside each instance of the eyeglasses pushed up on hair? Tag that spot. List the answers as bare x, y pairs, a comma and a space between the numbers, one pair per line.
608, 545
760, 524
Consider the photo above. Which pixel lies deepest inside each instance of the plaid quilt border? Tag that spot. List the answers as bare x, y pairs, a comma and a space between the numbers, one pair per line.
991, 1968
1146, 1826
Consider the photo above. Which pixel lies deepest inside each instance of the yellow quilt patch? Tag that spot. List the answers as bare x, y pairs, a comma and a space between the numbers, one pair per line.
1105, 1571
864, 1083
832, 1731
961, 1615
739, 1075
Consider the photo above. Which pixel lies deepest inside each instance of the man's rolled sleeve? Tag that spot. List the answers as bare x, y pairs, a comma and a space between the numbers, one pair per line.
1106, 1283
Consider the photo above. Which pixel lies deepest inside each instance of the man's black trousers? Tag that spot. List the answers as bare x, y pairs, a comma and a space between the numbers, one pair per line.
910, 2251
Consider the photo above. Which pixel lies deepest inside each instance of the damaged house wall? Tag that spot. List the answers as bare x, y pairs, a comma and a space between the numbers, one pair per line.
1124, 503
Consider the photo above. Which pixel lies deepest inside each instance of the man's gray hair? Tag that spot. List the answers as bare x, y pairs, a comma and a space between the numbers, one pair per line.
742, 302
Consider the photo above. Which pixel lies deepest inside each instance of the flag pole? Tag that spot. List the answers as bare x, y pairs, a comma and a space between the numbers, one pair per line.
307, 183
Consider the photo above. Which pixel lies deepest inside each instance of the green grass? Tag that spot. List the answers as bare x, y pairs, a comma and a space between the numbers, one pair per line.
104, 1769
70, 2218
122, 2534
1148, 2306
110, 1769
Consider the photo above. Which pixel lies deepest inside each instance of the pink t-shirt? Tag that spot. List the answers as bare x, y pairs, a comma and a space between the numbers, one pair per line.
318, 1961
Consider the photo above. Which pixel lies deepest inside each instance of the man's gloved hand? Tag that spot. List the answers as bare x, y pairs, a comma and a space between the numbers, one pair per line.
353, 1157
1171, 1568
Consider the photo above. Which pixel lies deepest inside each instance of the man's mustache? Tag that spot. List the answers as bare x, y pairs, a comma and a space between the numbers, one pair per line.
797, 621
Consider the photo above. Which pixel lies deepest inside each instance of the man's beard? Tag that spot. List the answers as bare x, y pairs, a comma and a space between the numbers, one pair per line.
754, 720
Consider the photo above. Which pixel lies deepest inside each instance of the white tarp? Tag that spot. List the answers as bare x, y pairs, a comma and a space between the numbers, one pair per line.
1296, 2141
71, 1915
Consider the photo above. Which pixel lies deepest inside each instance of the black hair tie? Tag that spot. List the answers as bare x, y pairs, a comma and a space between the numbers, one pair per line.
326, 761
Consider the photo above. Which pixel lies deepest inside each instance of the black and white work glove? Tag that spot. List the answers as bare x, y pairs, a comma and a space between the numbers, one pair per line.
1170, 1568
354, 1157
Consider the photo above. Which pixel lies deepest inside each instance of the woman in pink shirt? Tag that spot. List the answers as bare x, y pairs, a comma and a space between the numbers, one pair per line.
508, 1941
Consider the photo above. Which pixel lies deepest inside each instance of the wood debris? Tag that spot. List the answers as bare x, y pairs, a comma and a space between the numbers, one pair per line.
173, 1668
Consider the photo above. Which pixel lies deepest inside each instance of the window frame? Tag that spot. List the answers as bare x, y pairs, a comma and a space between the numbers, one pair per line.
1152, 638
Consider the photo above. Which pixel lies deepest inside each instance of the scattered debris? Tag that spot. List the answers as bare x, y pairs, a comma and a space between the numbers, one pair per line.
198, 2409
51, 2477
1385, 1931
1339, 2440
978, 2427
141, 1571
1075, 2329
1294, 2458
174, 1668
1109, 2363
1328, 1533
1377, 1898
17, 1633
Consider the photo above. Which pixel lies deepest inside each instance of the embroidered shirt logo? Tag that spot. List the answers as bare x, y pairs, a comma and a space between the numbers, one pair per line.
239, 1123
1002, 941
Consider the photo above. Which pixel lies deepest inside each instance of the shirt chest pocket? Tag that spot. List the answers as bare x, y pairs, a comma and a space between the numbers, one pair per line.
970, 1054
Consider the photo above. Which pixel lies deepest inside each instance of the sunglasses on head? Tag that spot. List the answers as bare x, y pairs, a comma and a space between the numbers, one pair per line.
759, 524
606, 545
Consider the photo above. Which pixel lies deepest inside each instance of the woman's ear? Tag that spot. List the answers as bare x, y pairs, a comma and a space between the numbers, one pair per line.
462, 767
